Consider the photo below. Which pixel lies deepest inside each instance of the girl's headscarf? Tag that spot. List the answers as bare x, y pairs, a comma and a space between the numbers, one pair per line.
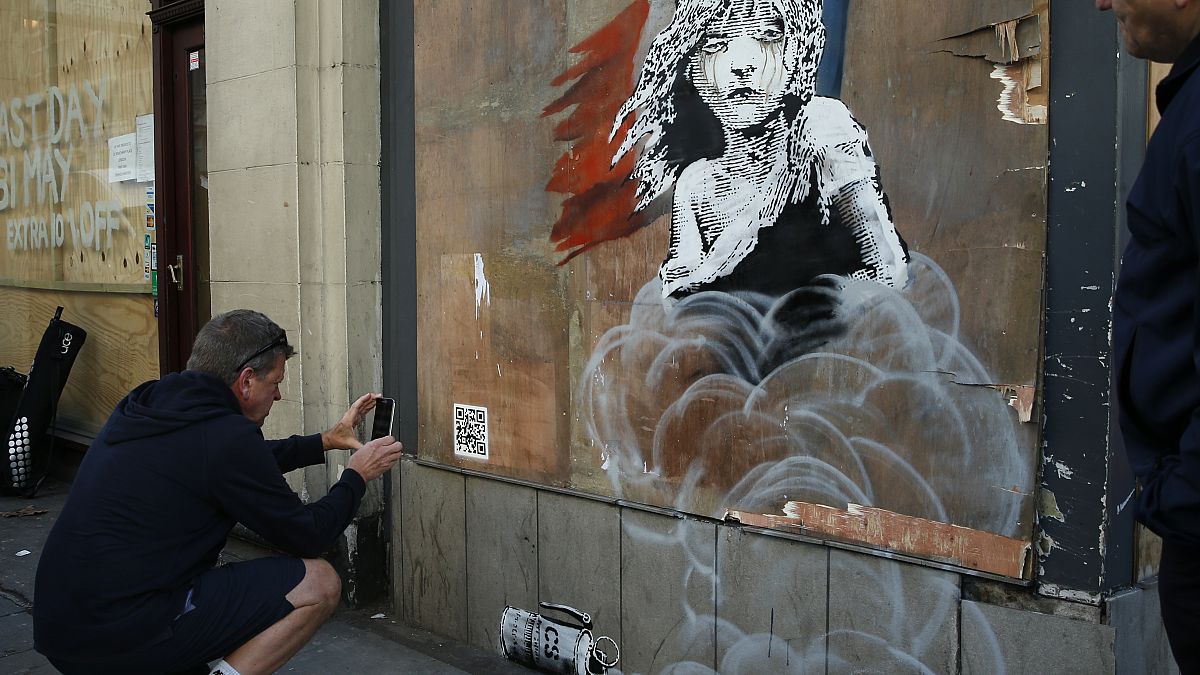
670, 54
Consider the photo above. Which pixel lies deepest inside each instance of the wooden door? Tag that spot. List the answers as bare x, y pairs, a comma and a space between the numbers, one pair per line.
181, 141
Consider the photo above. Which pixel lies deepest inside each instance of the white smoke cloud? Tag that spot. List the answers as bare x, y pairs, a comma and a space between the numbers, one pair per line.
843, 391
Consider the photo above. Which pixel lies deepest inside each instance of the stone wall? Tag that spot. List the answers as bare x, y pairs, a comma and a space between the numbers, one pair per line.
293, 96
674, 590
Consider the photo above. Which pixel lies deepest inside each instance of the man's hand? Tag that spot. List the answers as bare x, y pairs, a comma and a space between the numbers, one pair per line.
375, 458
342, 434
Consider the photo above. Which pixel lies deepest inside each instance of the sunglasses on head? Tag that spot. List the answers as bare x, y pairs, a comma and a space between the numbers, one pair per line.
280, 341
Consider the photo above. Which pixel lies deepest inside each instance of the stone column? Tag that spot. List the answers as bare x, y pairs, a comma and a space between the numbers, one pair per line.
293, 96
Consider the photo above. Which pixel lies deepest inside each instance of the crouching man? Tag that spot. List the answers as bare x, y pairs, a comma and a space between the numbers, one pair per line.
126, 582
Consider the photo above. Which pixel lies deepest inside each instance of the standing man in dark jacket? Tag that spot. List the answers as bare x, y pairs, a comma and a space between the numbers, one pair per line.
126, 582
1156, 313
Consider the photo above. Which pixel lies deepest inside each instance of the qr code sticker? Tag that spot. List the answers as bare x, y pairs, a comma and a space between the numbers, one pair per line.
470, 431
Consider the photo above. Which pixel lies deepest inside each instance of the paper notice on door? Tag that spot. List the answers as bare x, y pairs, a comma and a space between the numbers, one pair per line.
145, 148
122, 151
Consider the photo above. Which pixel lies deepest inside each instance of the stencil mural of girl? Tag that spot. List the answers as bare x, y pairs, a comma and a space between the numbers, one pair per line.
773, 186
790, 350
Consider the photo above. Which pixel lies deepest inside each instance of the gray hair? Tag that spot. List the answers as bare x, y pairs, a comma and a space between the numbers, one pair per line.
238, 339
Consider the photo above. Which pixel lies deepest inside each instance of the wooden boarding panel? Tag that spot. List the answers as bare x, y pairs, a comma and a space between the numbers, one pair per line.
121, 350
565, 148
969, 189
917, 537
75, 74
487, 334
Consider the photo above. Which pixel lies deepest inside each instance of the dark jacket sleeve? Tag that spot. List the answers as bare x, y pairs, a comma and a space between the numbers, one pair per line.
1170, 499
245, 481
295, 452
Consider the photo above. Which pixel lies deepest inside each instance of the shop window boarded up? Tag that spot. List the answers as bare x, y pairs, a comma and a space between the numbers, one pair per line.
664, 256
74, 76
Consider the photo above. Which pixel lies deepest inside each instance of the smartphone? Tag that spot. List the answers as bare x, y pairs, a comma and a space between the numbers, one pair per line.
385, 417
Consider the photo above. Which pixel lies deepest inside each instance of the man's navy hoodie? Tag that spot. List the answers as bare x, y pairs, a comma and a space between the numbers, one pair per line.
1156, 314
173, 469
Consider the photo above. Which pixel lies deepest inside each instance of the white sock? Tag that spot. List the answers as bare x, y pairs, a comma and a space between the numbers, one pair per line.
222, 667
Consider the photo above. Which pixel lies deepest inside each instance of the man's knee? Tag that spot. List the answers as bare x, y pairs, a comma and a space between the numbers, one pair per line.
321, 585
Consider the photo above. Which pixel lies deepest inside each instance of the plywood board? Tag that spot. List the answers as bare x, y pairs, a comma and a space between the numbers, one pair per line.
121, 350
74, 74
917, 537
540, 296
489, 331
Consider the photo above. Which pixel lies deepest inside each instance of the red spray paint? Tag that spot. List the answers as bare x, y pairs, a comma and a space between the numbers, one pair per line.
602, 196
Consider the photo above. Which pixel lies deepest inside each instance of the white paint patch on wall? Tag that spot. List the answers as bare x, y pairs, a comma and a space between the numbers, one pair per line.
1006, 96
351, 536
483, 290
1065, 472
1056, 591
1125, 503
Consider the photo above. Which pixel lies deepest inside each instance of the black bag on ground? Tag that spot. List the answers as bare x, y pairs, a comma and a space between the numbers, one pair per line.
29, 449
12, 384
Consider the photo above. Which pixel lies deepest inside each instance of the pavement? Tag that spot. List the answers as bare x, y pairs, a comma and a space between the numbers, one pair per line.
353, 641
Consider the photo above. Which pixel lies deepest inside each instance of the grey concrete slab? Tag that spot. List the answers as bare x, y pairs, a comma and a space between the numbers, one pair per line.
450, 652
1141, 641
771, 604
888, 615
16, 633
579, 558
502, 550
667, 592
999, 639
27, 533
339, 647
432, 573
26, 663
9, 607
316, 482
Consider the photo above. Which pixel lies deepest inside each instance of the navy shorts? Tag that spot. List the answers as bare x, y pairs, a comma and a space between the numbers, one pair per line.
227, 606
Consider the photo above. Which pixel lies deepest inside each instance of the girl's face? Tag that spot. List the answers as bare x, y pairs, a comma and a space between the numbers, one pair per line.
739, 69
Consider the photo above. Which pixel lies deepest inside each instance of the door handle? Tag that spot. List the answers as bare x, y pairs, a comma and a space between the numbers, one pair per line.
177, 272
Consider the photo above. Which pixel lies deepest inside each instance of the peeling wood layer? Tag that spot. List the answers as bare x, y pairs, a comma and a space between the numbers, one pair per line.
953, 544
1005, 43
962, 18
1020, 397
1019, 50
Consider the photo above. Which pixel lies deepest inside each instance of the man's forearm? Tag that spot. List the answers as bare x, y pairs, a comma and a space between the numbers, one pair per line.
298, 451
